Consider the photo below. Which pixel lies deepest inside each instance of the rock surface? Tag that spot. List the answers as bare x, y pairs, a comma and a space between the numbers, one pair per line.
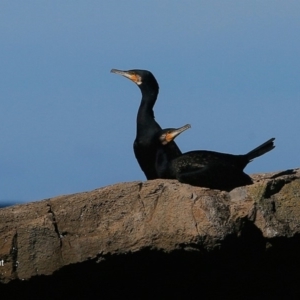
158, 221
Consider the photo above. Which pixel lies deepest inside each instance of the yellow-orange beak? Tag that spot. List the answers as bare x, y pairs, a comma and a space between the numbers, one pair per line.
173, 133
128, 74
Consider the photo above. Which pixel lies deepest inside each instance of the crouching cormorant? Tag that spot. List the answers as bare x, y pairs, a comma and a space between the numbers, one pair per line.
205, 168
144, 148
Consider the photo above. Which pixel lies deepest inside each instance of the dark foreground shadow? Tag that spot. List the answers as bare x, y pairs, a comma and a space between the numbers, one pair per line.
241, 269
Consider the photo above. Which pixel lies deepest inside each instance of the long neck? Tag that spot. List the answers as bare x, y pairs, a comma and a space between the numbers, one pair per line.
145, 114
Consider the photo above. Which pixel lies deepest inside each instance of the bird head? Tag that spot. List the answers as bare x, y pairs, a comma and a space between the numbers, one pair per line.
169, 134
143, 78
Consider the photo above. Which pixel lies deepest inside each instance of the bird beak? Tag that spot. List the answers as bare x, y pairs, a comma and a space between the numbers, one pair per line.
133, 77
174, 133
120, 72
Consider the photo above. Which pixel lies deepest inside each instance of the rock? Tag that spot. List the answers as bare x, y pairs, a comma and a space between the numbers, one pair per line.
163, 221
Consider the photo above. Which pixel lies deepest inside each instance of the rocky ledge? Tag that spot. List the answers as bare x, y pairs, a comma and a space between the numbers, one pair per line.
158, 238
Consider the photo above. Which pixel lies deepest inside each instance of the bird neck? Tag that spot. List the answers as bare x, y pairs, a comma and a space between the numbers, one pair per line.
145, 112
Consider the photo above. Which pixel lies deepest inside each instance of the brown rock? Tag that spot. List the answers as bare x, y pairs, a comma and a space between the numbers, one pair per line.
162, 216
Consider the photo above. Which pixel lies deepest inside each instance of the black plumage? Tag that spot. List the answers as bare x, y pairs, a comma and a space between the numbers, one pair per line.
145, 148
205, 168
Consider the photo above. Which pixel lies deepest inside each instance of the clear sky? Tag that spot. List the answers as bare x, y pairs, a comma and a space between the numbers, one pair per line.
229, 68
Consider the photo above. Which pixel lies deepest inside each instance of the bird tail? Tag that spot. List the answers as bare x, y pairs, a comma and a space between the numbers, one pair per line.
262, 149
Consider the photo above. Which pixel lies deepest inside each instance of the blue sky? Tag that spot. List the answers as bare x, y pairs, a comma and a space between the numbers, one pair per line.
229, 68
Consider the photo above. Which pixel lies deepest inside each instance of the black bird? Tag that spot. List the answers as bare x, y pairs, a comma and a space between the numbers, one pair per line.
205, 168
144, 146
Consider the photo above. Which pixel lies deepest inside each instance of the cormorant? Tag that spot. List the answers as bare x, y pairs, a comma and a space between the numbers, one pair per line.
144, 147
205, 168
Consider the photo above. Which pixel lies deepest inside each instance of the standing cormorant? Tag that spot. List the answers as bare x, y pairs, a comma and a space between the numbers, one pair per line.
205, 168
144, 148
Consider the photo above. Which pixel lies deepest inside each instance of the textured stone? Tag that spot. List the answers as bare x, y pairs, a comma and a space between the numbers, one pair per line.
162, 216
